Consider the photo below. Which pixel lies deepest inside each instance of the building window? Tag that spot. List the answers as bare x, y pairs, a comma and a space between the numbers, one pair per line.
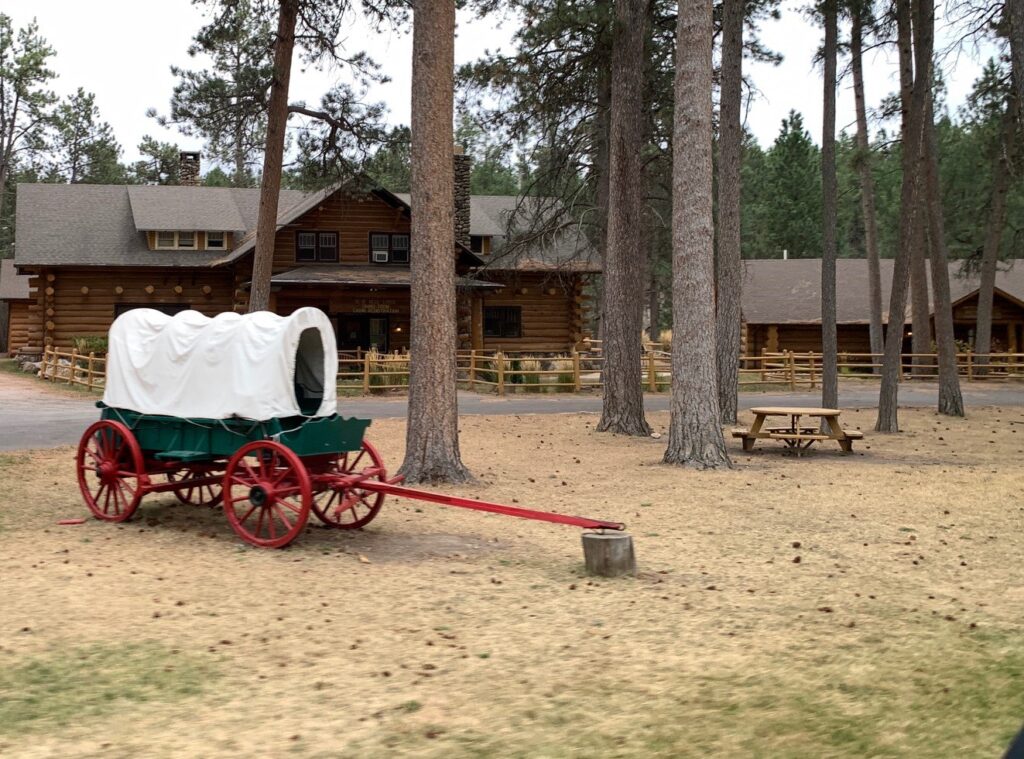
476, 243
388, 248
183, 240
503, 321
312, 247
215, 240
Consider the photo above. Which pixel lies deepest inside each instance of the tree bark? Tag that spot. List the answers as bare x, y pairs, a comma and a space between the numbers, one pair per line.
432, 434
920, 319
993, 236
830, 200
602, 159
950, 400
912, 108
622, 409
695, 432
920, 314
273, 158
728, 264
239, 178
1015, 11
867, 184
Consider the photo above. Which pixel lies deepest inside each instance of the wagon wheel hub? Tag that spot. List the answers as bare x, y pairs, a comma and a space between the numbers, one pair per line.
108, 471
260, 495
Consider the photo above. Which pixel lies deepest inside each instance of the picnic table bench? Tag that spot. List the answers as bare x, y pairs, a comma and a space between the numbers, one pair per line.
797, 434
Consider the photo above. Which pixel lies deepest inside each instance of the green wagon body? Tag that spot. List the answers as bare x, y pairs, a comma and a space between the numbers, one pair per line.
191, 440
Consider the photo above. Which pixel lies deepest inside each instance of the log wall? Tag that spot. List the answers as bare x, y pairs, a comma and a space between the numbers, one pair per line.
804, 338
18, 325
82, 302
353, 218
552, 315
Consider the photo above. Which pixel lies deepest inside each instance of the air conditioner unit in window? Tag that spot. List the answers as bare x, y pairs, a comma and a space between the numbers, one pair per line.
380, 256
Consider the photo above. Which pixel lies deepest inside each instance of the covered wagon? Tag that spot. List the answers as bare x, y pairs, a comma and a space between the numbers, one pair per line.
239, 411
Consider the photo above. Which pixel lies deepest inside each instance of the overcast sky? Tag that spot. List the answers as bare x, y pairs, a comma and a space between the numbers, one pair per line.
122, 51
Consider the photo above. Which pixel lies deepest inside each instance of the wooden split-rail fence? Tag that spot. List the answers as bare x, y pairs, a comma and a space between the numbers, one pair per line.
505, 372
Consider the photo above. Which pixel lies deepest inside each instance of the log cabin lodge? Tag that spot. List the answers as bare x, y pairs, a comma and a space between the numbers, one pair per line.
782, 305
86, 253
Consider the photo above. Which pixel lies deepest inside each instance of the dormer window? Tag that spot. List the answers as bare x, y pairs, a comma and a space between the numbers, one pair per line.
185, 240
215, 240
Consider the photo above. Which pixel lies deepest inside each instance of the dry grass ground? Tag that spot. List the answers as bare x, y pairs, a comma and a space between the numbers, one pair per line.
829, 606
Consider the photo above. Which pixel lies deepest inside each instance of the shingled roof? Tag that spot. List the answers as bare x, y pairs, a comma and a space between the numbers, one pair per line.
789, 292
99, 225
13, 286
496, 216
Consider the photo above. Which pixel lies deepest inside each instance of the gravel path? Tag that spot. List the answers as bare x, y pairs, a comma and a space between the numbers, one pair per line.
34, 414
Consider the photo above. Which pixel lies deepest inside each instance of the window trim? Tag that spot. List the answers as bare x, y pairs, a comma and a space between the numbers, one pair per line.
317, 248
391, 248
223, 240
502, 334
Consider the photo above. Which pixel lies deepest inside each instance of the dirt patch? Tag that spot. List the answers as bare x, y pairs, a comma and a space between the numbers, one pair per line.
828, 605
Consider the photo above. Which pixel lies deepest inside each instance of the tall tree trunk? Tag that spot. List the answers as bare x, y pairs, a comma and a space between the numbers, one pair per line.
239, 178
867, 182
993, 236
830, 200
695, 431
728, 265
653, 295
622, 409
432, 433
912, 109
273, 158
920, 319
1015, 11
921, 338
602, 151
950, 400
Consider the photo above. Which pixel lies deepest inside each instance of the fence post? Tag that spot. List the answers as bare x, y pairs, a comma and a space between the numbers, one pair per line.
88, 377
71, 369
792, 370
472, 369
970, 364
577, 382
652, 373
366, 373
811, 361
764, 374
499, 359
46, 358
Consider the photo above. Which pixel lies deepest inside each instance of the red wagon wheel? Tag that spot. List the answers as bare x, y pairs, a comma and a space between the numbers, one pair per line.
192, 494
110, 470
267, 494
352, 507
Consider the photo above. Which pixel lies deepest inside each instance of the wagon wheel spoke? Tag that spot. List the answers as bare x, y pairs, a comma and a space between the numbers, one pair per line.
248, 514
270, 521
281, 515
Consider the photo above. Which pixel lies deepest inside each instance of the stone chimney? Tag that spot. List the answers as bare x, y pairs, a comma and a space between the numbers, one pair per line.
463, 164
188, 168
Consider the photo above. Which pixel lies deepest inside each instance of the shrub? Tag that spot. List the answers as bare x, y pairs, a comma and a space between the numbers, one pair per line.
564, 379
387, 370
531, 382
90, 344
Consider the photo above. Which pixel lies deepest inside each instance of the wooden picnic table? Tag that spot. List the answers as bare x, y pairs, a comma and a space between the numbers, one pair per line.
797, 434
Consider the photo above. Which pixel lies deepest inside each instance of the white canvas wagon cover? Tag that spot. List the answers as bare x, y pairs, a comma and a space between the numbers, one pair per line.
258, 366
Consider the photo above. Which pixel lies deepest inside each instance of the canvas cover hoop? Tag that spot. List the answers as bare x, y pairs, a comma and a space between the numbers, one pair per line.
255, 366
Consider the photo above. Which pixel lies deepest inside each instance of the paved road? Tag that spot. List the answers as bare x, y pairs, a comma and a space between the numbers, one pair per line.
36, 415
